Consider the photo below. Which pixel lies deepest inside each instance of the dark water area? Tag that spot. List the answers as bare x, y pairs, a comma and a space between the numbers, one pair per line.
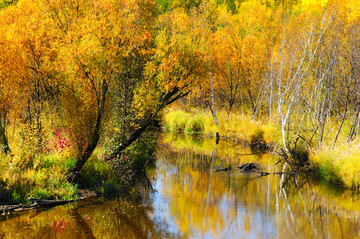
191, 200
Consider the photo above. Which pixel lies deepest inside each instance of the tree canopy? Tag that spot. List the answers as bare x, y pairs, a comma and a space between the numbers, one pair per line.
102, 71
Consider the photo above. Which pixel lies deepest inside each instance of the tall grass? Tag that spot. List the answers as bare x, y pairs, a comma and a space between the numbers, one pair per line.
183, 121
339, 164
44, 176
235, 126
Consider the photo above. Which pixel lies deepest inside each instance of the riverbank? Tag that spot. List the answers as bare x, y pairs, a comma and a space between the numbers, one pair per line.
28, 173
338, 164
36, 203
44, 177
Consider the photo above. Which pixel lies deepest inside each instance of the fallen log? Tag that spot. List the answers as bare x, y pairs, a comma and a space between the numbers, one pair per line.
248, 167
7, 209
36, 203
47, 203
222, 169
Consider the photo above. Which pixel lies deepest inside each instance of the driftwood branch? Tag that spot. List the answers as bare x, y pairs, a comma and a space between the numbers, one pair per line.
254, 168
222, 169
36, 203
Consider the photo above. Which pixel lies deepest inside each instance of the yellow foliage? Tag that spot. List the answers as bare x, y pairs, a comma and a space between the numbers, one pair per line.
314, 3
339, 164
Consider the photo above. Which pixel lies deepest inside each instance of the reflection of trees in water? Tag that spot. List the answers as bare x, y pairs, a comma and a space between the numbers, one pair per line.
236, 204
190, 188
92, 219
123, 219
116, 217
205, 147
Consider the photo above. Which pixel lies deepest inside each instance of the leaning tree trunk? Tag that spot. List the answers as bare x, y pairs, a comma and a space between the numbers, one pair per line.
166, 99
3, 140
72, 174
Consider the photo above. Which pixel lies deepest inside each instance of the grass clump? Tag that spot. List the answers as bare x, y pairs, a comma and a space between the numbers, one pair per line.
182, 121
194, 124
175, 120
40, 180
235, 126
339, 164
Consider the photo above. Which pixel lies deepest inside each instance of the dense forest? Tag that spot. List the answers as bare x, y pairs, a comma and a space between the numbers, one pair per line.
83, 82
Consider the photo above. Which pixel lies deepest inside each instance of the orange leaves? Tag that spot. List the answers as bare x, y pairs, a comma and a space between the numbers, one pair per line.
107, 32
178, 54
29, 37
251, 17
70, 52
177, 62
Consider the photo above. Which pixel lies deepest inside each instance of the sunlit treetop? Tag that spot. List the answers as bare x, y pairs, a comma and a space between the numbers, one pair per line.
314, 3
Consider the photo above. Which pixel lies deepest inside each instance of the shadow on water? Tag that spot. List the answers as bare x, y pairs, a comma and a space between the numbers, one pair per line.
191, 200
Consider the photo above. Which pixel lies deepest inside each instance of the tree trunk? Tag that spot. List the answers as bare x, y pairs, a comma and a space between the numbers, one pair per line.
212, 107
167, 99
217, 135
3, 140
72, 174
344, 115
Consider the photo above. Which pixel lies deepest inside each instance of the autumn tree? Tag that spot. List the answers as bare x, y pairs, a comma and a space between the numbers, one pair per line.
64, 56
26, 54
239, 57
98, 38
169, 74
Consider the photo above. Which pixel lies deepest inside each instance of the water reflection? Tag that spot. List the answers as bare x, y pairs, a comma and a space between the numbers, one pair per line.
97, 218
205, 204
191, 200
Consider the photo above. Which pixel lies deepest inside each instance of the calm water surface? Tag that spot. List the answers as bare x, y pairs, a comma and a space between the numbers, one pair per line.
191, 200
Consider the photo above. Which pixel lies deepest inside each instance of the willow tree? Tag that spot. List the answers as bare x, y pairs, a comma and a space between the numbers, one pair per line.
97, 38
94, 57
174, 67
70, 53
70, 57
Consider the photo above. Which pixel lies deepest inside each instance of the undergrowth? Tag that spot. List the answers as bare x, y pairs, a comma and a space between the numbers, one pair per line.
339, 164
235, 126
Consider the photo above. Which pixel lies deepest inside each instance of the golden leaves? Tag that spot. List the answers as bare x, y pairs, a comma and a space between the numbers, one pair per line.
178, 51
70, 50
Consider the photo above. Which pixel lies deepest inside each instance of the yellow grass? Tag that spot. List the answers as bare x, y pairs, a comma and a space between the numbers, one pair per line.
238, 126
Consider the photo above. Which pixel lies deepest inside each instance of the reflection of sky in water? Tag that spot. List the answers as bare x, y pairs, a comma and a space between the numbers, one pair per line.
261, 226
161, 214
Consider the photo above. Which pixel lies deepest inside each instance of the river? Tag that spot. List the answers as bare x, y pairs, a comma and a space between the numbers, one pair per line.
190, 200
